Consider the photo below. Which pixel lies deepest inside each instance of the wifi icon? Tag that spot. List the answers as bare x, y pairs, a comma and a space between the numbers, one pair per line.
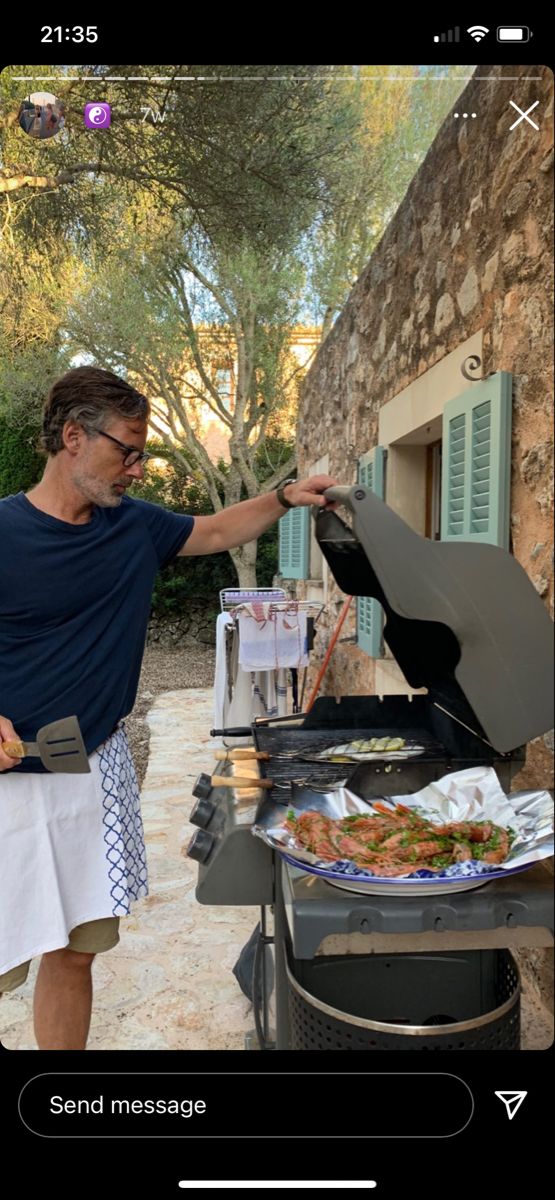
477, 32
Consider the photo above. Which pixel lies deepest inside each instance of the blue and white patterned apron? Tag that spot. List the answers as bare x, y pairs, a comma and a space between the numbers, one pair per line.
71, 850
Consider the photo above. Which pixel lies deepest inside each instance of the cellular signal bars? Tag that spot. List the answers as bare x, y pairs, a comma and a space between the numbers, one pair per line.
452, 35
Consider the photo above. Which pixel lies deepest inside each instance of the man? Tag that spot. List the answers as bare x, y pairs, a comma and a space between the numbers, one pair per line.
78, 559
50, 123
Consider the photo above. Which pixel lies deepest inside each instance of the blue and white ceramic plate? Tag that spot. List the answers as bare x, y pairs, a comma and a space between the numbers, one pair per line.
350, 879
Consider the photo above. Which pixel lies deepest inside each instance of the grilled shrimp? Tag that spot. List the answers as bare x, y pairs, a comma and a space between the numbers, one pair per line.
388, 843
398, 868
461, 853
315, 832
348, 847
469, 829
418, 850
500, 853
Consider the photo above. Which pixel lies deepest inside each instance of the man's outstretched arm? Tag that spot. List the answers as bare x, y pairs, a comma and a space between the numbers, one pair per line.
243, 522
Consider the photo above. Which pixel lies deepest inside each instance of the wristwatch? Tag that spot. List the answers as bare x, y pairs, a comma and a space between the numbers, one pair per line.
279, 493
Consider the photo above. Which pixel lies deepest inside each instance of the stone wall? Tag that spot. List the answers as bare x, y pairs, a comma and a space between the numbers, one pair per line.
469, 249
194, 624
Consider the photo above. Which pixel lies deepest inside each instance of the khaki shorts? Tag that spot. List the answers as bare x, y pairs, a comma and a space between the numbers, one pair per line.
91, 938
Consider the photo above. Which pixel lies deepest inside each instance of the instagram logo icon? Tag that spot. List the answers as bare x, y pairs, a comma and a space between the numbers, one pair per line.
98, 116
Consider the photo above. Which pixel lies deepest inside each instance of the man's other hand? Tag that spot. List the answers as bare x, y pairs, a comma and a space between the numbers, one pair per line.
7, 734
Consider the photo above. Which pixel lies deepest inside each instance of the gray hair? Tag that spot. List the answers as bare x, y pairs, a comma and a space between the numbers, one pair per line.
88, 396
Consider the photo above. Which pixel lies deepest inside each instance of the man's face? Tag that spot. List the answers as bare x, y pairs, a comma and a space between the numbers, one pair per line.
98, 471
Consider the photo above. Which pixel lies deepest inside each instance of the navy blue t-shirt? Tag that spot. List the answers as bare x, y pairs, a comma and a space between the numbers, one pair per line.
74, 607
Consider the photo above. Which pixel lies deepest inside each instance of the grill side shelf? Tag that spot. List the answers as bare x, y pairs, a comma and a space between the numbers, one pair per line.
523, 902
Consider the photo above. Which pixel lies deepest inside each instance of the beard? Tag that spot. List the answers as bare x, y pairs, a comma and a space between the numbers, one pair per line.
99, 491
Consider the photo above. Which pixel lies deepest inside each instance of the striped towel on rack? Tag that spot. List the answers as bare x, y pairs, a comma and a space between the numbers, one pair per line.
269, 693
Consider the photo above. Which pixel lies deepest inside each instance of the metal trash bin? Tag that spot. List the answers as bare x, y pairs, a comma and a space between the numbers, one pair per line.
448, 1001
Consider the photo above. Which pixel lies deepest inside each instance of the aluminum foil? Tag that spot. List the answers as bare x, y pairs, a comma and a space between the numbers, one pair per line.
473, 794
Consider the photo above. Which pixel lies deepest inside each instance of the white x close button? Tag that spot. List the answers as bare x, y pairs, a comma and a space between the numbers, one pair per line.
524, 115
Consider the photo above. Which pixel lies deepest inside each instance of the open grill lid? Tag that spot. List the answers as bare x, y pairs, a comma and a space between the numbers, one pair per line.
462, 619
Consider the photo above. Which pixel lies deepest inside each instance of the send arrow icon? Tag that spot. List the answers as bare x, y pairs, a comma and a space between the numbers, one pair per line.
512, 1101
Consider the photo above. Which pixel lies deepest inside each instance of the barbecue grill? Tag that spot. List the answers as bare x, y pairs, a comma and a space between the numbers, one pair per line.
379, 972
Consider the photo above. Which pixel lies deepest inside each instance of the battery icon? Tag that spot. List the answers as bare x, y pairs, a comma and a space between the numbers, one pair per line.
513, 33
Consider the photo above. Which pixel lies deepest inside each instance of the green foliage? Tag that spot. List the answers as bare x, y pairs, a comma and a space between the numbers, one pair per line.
396, 118
192, 579
271, 455
168, 483
21, 465
241, 154
204, 577
267, 557
171, 252
26, 373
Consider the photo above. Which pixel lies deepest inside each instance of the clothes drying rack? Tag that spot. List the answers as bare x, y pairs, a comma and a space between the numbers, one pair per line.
231, 597
232, 601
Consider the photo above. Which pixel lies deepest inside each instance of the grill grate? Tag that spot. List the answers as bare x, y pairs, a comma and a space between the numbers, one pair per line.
301, 742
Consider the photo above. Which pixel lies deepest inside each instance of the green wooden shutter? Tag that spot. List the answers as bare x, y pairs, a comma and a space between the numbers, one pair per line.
476, 474
294, 538
370, 612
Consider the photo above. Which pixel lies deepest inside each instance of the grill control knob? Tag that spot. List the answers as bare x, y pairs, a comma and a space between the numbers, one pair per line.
202, 812
203, 787
200, 846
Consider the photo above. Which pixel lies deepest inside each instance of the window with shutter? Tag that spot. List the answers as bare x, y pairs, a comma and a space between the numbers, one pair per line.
224, 384
477, 463
369, 611
294, 531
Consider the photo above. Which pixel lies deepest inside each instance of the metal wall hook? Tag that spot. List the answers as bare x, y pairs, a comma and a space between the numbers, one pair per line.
474, 362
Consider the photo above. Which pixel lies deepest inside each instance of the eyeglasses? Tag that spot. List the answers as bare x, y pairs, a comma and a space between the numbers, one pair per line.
131, 454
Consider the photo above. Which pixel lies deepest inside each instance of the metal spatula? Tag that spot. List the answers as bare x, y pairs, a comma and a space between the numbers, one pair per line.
59, 746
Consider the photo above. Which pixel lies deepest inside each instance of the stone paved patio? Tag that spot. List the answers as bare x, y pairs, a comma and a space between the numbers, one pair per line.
168, 984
